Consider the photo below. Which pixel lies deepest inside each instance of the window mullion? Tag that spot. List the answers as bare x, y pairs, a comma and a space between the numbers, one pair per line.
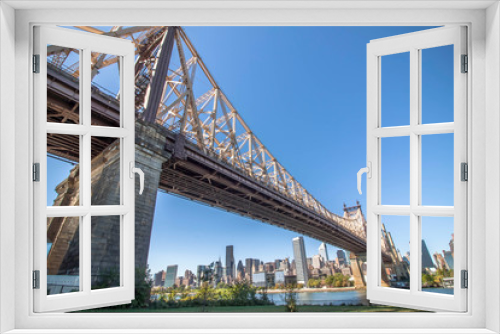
86, 165
414, 168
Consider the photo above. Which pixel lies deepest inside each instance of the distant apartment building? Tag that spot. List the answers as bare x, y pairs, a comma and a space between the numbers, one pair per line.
171, 276
159, 278
441, 263
299, 252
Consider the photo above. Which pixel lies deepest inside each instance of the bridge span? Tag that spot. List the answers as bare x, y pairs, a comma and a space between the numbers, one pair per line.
194, 146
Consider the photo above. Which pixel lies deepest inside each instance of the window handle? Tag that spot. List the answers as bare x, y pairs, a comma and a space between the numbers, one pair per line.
368, 171
139, 171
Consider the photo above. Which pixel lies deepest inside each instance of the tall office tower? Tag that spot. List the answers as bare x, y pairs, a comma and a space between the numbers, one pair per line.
347, 257
159, 278
277, 264
171, 275
248, 269
230, 261
240, 271
217, 272
448, 258
426, 257
341, 257
323, 252
299, 253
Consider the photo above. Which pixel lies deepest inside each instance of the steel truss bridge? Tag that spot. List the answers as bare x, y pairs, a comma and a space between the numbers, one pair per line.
216, 158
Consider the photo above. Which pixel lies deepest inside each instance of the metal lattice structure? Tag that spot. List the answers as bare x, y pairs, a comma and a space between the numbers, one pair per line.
175, 89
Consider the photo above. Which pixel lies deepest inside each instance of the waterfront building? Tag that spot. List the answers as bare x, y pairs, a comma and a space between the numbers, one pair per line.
230, 261
279, 277
290, 280
159, 278
448, 257
269, 267
171, 275
277, 264
317, 262
323, 252
426, 257
259, 279
299, 252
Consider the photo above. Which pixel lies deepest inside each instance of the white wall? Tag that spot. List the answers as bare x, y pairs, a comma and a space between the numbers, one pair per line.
492, 165
7, 186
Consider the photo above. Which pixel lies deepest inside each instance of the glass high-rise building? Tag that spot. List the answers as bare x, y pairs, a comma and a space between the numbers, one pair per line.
230, 261
171, 275
323, 252
299, 253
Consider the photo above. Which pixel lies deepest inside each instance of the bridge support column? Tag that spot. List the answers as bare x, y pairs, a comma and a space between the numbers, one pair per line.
356, 268
150, 157
63, 233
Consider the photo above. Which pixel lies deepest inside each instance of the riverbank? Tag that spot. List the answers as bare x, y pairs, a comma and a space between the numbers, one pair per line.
307, 290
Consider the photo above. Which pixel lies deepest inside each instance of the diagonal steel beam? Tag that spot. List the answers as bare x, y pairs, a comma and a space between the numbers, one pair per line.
157, 85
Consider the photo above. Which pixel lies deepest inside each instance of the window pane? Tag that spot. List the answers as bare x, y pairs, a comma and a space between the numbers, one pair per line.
437, 84
395, 171
105, 256
63, 85
105, 89
395, 250
437, 254
106, 176
63, 255
63, 170
395, 90
437, 170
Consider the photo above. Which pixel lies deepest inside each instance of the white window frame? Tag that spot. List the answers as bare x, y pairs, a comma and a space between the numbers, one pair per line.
414, 43
482, 19
125, 132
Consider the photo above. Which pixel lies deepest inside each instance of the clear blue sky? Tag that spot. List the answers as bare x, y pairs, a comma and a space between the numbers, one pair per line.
302, 91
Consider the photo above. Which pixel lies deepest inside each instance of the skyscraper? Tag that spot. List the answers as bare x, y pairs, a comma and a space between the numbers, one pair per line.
426, 257
230, 261
299, 253
171, 275
341, 257
240, 270
323, 252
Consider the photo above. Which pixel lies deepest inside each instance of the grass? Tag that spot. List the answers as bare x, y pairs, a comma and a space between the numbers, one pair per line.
260, 309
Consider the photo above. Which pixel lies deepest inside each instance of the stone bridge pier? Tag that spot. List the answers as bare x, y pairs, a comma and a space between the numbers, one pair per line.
357, 261
63, 233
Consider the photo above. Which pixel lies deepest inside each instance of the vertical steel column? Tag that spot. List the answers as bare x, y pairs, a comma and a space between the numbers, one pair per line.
157, 83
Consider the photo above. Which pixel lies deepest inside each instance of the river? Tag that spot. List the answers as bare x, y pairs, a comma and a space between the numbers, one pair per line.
352, 297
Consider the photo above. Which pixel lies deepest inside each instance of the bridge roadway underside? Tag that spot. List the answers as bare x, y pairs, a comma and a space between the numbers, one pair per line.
198, 176
194, 174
